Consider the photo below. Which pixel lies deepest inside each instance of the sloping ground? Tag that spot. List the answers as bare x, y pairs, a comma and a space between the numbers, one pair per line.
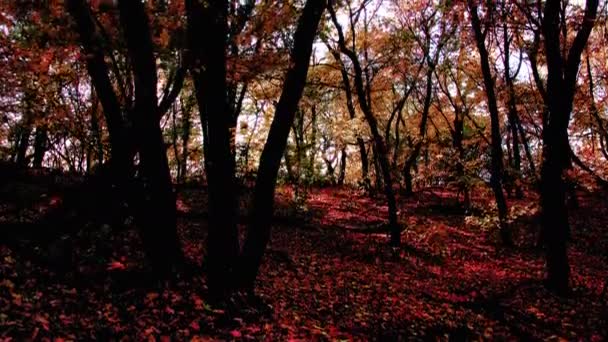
327, 276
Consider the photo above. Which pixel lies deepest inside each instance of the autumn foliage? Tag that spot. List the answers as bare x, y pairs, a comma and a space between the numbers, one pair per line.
308, 170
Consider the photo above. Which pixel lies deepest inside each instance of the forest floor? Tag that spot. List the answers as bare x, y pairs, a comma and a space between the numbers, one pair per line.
329, 275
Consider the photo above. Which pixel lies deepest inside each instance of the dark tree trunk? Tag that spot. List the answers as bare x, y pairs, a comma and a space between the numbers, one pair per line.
561, 87
211, 88
40, 146
407, 171
23, 143
496, 148
526, 144
342, 172
186, 128
379, 143
460, 168
158, 222
258, 230
331, 170
364, 161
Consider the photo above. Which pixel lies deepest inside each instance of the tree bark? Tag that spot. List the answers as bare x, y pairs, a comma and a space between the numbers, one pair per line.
23, 144
342, 172
258, 230
158, 223
497, 168
207, 30
40, 146
186, 128
527, 150
121, 164
561, 87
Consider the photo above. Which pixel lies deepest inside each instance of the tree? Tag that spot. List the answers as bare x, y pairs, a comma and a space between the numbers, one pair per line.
432, 51
379, 143
209, 75
496, 148
562, 71
513, 117
258, 230
162, 246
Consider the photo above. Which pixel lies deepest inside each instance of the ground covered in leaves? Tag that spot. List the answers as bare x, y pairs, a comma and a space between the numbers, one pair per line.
328, 275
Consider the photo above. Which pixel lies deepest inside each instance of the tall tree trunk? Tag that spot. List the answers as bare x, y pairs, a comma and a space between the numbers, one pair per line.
211, 88
258, 230
497, 163
379, 143
158, 223
561, 87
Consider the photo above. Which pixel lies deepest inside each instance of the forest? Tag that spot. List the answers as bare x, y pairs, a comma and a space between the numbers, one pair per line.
304, 170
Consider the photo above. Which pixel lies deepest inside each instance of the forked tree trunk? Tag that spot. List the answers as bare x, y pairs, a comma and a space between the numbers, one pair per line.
561, 87
120, 157
379, 144
207, 31
158, 222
